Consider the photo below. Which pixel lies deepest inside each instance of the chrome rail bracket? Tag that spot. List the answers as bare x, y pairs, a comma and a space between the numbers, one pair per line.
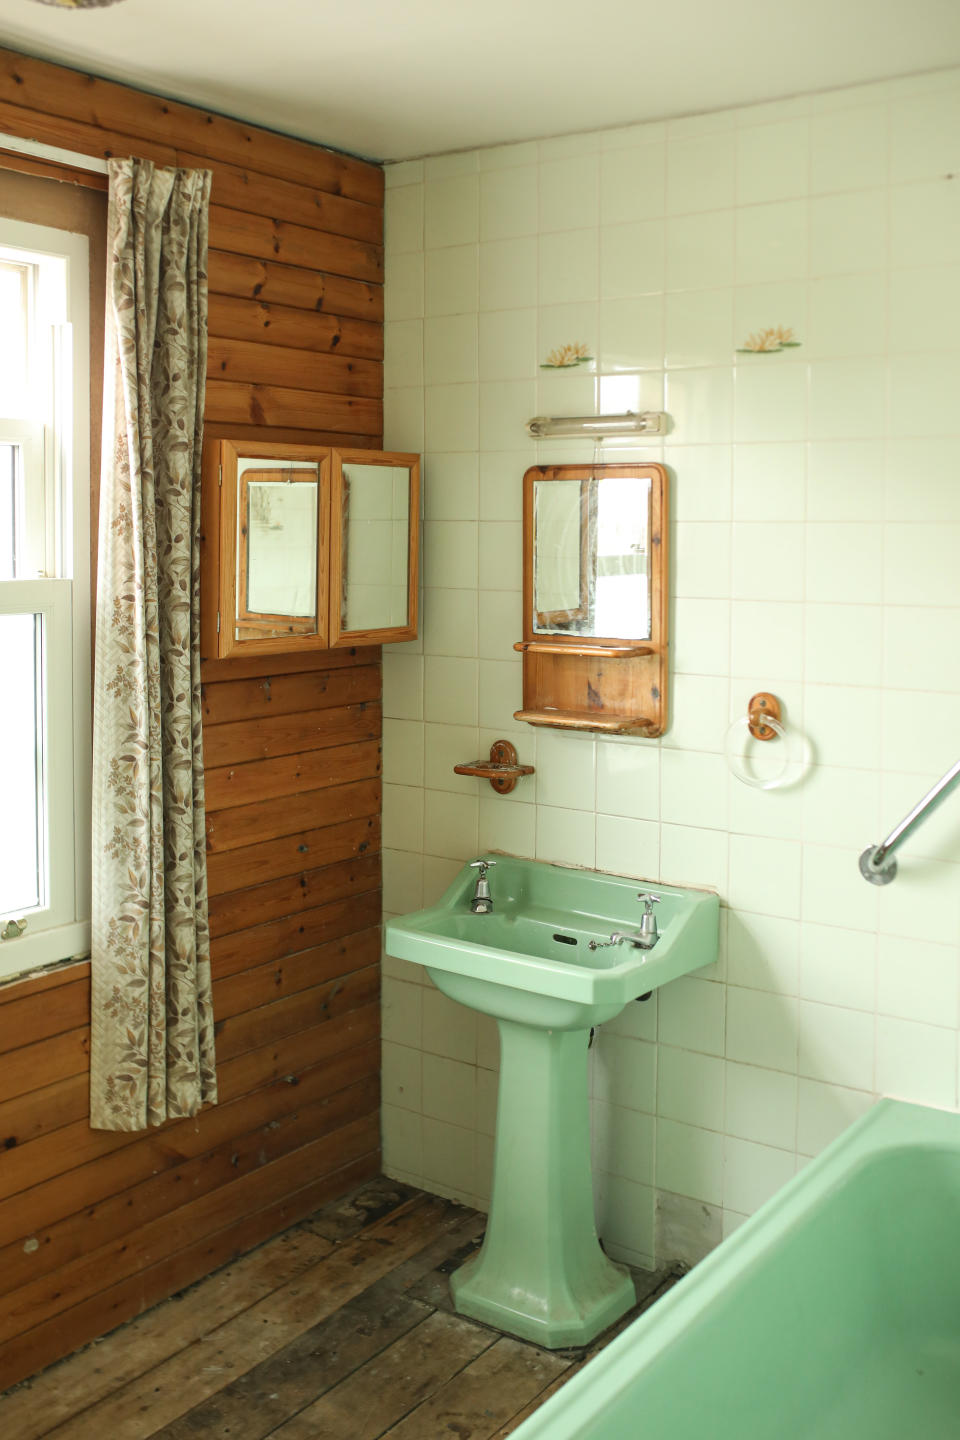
877, 864
877, 873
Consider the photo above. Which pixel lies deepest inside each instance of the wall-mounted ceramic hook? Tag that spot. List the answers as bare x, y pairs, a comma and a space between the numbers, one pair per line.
763, 769
763, 707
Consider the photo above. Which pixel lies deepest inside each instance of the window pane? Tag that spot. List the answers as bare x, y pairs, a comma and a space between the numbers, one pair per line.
8, 511
21, 816
13, 327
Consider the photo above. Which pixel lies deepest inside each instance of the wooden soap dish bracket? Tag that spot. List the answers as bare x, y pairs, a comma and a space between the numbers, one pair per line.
502, 769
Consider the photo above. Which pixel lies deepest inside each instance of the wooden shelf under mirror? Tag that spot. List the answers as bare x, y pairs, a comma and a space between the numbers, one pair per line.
573, 720
595, 598
603, 652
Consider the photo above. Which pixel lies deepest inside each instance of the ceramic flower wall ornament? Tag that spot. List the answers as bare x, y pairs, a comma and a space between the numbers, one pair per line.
769, 341
79, 4
565, 357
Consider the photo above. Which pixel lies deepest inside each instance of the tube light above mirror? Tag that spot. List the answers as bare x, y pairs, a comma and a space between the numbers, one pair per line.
598, 427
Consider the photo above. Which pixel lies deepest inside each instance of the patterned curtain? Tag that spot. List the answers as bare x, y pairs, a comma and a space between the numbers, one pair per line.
152, 1045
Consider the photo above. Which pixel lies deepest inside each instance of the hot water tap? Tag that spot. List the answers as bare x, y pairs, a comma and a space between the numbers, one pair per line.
648, 924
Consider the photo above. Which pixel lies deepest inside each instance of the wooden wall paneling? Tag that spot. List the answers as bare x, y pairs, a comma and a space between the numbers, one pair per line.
297, 1012
251, 278
322, 1101
295, 355
249, 989
53, 129
290, 435
74, 1167
275, 693
236, 403
268, 819
230, 785
258, 194
12, 990
31, 1066
63, 1153
105, 105
258, 945
58, 1157
239, 233
244, 668
37, 1016
307, 890
236, 318
233, 744
269, 1063
248, 362
259, 864
26, 1117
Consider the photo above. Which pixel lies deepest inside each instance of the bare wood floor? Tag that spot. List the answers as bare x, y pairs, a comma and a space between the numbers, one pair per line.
339, 1329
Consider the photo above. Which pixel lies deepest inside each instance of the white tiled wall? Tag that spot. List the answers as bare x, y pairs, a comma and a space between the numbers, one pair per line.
816, 553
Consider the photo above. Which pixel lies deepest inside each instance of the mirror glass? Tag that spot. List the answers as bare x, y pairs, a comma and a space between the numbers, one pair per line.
376, 545
277, 548
592, 557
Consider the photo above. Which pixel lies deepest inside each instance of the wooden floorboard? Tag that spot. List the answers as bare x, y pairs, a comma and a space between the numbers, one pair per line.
339, 1329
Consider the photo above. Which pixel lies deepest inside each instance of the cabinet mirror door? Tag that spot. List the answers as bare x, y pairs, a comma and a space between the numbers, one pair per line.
277, 563
274, 511
375, 532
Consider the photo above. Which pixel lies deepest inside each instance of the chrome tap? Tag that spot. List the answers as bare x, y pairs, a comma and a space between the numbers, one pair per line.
620, 937
482, 902
649, 933
647, 936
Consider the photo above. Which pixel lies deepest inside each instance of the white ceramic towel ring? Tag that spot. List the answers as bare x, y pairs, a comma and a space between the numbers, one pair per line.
746, 747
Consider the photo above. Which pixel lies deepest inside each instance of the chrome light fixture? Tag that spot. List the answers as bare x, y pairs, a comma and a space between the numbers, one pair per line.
598, 427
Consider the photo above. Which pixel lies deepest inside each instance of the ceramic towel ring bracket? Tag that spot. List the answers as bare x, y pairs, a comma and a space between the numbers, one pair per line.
763, 722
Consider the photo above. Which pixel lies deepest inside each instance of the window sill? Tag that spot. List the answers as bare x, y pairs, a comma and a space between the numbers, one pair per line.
22, 957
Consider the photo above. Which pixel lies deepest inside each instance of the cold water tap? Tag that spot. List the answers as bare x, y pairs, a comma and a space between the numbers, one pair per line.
482, 902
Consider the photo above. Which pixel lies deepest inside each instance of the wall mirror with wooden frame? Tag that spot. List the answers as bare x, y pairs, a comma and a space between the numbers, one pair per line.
595, 598
316, 548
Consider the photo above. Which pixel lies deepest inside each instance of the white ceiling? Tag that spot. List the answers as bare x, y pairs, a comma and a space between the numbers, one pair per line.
392, 79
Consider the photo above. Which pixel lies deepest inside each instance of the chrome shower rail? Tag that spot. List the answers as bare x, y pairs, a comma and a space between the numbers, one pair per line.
877, 863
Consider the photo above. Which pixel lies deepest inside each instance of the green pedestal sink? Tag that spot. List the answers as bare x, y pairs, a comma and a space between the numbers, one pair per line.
541, 1273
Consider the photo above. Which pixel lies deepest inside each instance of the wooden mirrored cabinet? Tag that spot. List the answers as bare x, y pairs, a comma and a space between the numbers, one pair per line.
316, 548
595, 598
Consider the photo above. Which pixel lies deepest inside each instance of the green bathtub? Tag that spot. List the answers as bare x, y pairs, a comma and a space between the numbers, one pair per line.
833, 1314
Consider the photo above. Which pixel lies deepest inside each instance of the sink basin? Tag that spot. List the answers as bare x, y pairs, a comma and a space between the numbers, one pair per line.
541, 1273
530, 961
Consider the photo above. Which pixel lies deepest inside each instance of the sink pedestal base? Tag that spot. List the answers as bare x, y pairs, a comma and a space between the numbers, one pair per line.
541, 1273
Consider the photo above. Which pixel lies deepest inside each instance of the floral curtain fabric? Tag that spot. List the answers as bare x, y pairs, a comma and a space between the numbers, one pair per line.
152, 1044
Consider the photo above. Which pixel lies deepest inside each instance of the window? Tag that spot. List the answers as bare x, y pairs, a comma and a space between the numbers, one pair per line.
44, 595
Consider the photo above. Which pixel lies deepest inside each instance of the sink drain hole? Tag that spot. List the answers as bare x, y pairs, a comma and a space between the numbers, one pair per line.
567, 939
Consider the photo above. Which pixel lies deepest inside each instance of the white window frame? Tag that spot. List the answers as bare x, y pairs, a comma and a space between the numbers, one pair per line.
59, 441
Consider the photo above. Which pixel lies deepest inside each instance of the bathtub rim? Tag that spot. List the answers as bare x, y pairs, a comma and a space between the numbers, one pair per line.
889, 1125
